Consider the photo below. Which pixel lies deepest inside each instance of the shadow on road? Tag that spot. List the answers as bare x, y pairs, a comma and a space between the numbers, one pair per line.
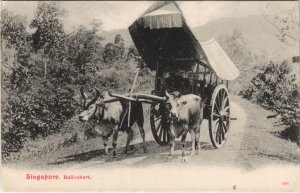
155, 154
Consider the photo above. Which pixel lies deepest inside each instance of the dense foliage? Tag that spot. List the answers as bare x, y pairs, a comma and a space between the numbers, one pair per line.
275, 87
84, 46
42, 73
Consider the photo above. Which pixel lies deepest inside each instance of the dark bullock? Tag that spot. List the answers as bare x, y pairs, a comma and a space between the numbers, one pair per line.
113, 117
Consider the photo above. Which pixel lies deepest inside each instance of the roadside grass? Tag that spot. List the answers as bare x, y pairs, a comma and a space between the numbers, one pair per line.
261, 144
75, 138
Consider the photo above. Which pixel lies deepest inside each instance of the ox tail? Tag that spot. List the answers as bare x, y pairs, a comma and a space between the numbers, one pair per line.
203, 102
139, 114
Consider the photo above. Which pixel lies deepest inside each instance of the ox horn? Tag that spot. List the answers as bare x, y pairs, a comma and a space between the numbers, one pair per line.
83, 95
95, 98
167, 94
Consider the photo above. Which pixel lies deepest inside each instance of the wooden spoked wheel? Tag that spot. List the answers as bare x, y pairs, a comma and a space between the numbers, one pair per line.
220, 116
160, 126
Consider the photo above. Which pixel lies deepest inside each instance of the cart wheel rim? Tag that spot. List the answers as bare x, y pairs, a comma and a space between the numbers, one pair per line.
159, 125
219, 120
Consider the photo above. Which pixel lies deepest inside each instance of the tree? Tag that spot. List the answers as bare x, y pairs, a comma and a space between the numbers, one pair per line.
286, 22
84, 46
49, 36
14, 35
119, 40
114, 51
15, 49
13, 29
132, 53
236, 46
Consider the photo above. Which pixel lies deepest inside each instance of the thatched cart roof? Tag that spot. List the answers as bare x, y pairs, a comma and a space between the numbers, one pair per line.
162, 36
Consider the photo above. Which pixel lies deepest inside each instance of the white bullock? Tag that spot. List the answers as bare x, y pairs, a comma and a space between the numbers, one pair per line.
186, 115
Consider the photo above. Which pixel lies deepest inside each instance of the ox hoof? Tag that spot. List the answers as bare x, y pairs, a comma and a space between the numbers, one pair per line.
131, 147
184, 159
192, 153
128, 152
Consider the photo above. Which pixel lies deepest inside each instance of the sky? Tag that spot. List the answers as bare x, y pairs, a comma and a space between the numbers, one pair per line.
120, 15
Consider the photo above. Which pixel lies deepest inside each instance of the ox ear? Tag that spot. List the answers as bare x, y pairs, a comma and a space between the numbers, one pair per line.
101, 95
100, 102
183, 102
176, 94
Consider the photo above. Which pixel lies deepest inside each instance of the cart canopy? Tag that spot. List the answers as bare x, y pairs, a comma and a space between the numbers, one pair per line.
219, 60
164, 40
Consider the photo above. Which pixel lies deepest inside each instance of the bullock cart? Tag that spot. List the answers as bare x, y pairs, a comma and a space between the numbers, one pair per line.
182, 63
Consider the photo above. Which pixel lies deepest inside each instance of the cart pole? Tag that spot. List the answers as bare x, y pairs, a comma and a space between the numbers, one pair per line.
131, 92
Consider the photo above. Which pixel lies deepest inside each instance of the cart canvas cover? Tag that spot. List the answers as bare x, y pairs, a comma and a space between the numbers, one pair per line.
162, 37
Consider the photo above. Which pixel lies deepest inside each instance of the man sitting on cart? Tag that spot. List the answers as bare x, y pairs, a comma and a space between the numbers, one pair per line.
176, 82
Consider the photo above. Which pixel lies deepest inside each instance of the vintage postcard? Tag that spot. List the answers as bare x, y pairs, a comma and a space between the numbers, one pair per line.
158, 96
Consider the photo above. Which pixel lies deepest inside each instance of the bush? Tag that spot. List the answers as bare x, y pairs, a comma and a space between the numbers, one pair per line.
37, 113
275, 88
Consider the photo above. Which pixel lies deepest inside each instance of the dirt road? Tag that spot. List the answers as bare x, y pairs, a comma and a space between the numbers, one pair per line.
252, 143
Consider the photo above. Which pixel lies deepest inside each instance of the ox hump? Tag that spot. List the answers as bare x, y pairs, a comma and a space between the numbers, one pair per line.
190, 99
113, 111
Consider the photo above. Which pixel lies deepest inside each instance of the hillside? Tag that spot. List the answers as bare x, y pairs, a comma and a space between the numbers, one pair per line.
259, 33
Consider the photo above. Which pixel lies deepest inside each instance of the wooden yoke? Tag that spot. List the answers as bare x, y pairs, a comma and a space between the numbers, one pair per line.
135, 97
